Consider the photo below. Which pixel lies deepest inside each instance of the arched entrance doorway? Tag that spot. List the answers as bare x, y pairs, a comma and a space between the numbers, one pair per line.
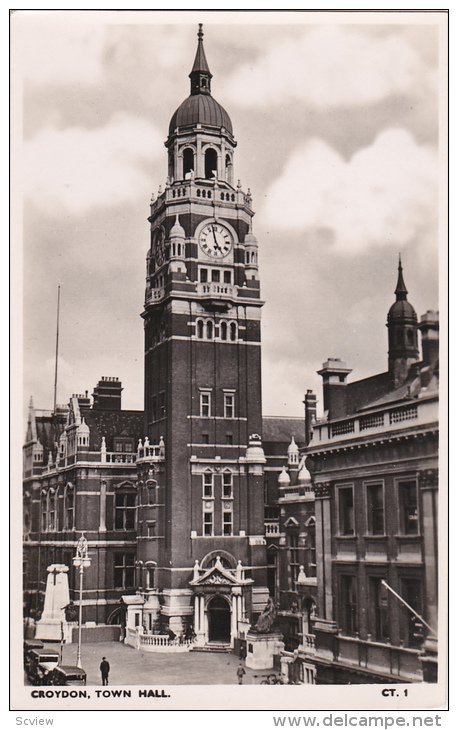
219, 620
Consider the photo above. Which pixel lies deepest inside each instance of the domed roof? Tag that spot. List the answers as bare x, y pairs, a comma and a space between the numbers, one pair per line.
284, 478
402, 309
304, 475
200, 109
177, 230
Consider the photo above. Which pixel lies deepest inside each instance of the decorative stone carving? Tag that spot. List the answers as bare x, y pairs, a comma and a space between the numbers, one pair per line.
428, 479
323, 490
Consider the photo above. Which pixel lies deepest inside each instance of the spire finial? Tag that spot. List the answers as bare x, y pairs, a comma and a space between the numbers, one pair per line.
401, 289
200, 74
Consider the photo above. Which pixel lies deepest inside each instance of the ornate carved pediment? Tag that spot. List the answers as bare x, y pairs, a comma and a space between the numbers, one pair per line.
218, 575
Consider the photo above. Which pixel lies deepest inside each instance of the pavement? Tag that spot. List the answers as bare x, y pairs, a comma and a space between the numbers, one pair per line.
129, 666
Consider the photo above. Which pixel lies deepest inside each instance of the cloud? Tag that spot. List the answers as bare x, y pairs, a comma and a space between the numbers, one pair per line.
385, 193
58, 49
329, 67
79, 169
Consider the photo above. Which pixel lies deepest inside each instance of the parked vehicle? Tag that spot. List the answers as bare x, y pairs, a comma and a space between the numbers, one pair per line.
42, 661
64, 674
30, 644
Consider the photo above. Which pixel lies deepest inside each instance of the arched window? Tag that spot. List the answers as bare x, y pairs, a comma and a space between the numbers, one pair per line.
188, 161
209, 330
211, 163
233, 331
223, 330
200, 329
228, 165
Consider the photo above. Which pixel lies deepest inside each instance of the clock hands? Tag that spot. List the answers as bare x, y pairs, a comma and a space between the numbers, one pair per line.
217, 247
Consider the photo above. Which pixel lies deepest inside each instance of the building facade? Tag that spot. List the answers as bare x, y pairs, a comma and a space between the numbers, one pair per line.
374, 464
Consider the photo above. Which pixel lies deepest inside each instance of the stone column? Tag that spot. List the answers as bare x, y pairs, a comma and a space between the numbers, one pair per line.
199, 159
103, 506
196, 615
233, 619
323, 549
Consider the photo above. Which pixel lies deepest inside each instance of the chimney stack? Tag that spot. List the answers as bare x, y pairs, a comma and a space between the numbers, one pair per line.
429, 328
310, 414
334, 373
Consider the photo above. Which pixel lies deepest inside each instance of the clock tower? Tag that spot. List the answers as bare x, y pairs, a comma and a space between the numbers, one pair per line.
201, 562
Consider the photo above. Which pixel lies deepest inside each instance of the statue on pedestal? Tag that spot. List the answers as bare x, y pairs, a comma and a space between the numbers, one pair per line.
266, 619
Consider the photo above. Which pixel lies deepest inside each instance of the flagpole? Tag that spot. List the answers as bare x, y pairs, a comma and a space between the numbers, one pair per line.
57, 350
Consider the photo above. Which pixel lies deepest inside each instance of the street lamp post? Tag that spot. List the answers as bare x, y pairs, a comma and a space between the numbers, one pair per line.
81, 561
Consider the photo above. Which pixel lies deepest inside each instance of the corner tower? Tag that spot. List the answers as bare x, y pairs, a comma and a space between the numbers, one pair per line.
201, 513
402, 333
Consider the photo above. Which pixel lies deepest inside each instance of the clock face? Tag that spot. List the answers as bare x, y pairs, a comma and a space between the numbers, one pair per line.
160, 247
215, 240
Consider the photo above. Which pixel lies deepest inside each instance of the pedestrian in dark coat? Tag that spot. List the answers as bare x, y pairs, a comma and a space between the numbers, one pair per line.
240, 673
104, 670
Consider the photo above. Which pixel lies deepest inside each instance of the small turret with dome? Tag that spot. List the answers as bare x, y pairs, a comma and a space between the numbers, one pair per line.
402, 333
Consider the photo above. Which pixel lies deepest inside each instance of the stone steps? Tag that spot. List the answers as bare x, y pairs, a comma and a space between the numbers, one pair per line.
214, 647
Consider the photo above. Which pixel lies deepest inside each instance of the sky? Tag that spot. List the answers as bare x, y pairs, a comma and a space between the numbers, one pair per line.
336, 119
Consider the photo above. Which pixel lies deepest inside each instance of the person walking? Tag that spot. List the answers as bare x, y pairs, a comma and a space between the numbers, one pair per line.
240, 673
104, 670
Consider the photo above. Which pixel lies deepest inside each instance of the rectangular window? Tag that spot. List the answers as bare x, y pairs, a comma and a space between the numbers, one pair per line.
346, 511
208, 521
348, 614
229, 439
125, 511
310, 551
412, 629
124, 570
408, 507
205, 403
229, 405
205, 438
227, 277
375, 509
227, 484
215, 275
208, 485
69, 509
203, 276
294, 563
227, 522
378, 610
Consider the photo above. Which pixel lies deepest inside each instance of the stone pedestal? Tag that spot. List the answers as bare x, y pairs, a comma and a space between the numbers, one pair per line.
261, 649
52, 625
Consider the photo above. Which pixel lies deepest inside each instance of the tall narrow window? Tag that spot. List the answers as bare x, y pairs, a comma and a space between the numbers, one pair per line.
229, 405
233, 331
203, 275
378, 610
227, 518
348, 614
346, 511
223, 330
208, 518
408, 507
188, 161
209, 330
208, 485
227, 277
125, 511
69, 508
375, 509
216, 275
293, 545
200, 329
52, 511
227, 484
310, 548
205, 403
211, 163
